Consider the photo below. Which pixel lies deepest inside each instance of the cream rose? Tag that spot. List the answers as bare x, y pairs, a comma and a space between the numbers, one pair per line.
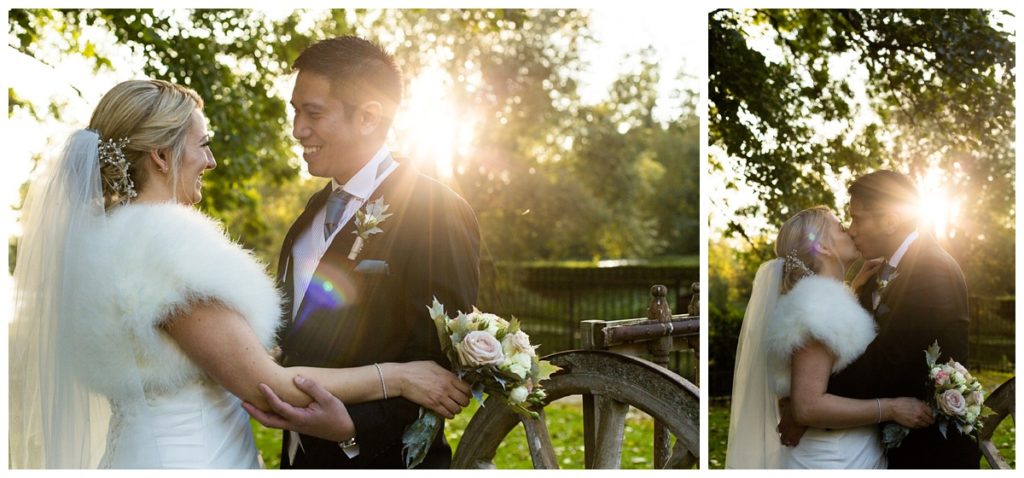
517, 342
519, 364
975, 398
952, 403
518, 394
479, 348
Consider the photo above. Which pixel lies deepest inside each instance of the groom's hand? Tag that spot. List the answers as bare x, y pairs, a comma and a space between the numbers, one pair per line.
326, 417
790, 430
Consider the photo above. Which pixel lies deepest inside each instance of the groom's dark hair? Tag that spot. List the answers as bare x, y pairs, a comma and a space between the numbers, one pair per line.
885, 190
359, 70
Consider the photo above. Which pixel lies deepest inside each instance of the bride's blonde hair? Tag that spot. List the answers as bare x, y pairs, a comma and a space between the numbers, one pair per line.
795, 244
153, 115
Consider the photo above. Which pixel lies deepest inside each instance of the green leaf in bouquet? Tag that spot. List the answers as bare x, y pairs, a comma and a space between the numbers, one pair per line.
418, 437
546, 369
943, 427
478, 392
514, 325
893, 434
932, 354
436, 309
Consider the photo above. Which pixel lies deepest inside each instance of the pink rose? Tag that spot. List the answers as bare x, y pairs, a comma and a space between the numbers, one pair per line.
941, 378
952, 403
479, 348
959, 368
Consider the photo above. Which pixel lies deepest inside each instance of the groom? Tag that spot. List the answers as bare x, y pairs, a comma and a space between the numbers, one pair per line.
918, 297
352, 304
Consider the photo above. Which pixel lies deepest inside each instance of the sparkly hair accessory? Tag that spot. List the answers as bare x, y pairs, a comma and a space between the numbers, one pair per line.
794, 262
111, 152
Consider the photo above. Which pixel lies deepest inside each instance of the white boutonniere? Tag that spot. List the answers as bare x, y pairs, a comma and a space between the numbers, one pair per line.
884, 283
368, 221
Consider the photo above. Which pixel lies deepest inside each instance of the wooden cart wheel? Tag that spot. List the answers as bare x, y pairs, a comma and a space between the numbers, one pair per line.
1002, 403
610, 382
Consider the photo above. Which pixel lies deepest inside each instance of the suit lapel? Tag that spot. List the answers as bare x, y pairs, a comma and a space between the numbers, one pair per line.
890, 298
336, 256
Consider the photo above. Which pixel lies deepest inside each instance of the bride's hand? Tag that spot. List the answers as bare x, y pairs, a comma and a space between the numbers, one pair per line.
867, 271
432, 386
910, 412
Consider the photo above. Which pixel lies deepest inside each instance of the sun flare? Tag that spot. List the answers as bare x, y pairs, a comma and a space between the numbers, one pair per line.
937, 208
430, 128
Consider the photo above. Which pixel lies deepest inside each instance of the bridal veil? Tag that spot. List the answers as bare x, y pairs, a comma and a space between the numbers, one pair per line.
753, 440
56, 419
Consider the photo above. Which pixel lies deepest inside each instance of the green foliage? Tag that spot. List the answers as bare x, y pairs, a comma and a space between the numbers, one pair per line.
939, 87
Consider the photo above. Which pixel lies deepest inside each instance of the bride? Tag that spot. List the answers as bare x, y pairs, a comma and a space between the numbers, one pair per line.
140, 327
801, 325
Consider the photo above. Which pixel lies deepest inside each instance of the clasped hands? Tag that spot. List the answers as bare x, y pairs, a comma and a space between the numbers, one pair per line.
424, 383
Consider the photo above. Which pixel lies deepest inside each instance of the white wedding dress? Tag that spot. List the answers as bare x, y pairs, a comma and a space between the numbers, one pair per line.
825, 310
148, 262
773, 327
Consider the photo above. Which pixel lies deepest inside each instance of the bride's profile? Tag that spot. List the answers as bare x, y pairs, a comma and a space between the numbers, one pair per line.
140, 327
802, 323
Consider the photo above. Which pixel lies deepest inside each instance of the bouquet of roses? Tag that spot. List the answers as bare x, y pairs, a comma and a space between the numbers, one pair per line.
493, 356
958, 399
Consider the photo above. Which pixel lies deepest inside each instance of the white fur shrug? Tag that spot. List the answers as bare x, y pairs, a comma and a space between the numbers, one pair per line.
817, 308
147, 263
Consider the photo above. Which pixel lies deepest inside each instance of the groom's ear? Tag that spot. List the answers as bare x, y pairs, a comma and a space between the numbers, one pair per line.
371, 115
891, 222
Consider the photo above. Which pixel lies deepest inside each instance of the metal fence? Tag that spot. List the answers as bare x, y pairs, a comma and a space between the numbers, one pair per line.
992, 334
551, 300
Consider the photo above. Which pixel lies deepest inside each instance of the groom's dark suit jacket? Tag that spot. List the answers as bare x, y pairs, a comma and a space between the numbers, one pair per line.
924, 303
367, 315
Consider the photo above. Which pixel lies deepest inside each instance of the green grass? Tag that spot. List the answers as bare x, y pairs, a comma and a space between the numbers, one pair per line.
1004, 436
565, 424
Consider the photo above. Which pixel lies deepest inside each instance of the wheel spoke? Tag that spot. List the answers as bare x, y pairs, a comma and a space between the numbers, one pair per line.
589, 430
541, 450
611, 420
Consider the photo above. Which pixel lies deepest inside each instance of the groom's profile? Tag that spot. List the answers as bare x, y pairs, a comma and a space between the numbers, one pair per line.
353, 298
918, 297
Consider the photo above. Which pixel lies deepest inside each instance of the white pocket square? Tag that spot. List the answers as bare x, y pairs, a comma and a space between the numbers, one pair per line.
372, 267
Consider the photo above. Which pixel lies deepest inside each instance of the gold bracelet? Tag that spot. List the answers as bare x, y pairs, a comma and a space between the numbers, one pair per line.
382, 386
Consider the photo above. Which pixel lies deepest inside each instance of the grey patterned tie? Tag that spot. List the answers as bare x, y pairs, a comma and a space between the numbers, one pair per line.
335, 207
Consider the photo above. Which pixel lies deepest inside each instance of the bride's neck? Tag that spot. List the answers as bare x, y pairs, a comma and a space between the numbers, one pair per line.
829, 267
154, 192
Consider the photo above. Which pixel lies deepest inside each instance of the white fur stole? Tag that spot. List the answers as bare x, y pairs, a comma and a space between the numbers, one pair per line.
150, 262
816, 308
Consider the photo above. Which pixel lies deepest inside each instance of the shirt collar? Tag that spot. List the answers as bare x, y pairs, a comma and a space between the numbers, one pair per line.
897, 256
362, 184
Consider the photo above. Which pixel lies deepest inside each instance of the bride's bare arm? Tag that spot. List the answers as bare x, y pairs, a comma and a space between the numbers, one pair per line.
814, 407
223, 345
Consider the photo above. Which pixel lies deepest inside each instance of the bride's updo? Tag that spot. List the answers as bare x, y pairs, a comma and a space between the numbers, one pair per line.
796, 241
151, 115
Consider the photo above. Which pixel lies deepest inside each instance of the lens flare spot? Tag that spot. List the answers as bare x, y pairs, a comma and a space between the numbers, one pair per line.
331, 288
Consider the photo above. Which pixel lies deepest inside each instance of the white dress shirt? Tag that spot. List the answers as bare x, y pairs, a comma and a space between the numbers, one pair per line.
894, 262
